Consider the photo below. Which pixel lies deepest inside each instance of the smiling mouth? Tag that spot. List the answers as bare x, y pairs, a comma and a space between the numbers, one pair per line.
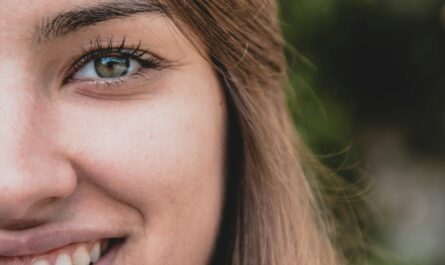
99, 252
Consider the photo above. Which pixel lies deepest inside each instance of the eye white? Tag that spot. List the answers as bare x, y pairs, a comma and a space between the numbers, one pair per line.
89, 71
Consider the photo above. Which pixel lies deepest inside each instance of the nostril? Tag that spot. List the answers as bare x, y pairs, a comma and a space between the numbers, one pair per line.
47, 201
15, 225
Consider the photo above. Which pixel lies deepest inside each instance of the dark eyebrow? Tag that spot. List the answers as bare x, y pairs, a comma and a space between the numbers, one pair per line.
68, 22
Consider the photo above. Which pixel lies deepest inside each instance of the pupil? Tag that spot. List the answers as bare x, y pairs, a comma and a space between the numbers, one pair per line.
111, 67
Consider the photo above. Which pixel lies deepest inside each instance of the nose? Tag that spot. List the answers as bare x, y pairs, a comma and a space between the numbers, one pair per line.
33, 173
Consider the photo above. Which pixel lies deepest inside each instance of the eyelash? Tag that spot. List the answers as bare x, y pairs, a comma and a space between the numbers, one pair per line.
98, 49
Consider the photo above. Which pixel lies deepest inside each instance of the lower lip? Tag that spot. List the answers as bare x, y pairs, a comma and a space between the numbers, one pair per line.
110, 255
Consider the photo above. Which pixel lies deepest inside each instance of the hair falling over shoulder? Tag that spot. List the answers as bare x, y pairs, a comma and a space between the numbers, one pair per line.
273, 213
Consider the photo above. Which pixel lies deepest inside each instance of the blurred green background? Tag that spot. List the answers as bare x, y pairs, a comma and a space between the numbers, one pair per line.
370, 99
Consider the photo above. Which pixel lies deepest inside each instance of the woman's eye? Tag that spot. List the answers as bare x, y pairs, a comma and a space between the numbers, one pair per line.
107, 67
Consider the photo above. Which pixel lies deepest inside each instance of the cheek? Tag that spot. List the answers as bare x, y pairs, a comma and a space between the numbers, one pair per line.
163, 157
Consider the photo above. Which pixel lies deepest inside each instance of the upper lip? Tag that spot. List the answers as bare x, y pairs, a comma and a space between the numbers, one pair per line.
46, 238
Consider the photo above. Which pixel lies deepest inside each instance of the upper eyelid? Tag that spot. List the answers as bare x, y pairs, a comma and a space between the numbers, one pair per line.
82, 60
98, 45
107, 47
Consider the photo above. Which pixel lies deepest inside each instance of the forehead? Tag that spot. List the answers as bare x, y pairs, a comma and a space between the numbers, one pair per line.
34, 10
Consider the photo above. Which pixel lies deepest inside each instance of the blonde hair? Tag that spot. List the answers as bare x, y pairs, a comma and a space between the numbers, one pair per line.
271, 215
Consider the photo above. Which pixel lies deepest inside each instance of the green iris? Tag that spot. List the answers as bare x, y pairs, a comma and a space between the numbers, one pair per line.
111, 67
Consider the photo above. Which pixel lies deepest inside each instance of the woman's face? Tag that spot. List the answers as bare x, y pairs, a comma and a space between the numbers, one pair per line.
112, 126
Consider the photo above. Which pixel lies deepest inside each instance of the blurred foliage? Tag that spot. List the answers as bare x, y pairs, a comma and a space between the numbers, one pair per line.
357, 64
367, 61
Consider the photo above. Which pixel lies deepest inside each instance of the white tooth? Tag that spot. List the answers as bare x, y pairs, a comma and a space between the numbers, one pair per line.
41, 262
95, 252
81, 256
63, 259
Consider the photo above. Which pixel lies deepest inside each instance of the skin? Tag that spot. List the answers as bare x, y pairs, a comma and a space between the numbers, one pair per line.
146, 161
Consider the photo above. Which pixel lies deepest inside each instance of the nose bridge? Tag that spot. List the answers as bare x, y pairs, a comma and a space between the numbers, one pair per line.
20, 124
24, 115
31, 172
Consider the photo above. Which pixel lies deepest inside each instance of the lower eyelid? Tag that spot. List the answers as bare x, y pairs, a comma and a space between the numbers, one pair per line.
128, 86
